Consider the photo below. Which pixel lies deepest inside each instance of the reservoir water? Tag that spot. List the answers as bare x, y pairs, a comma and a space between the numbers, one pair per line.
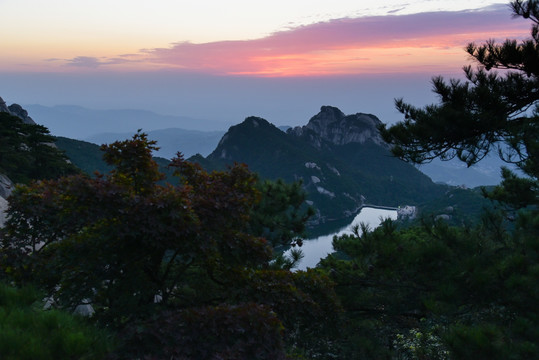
320, 247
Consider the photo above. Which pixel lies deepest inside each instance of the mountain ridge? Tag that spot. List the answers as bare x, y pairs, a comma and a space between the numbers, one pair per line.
78, 122
87, 128
170, 141
332, 125
340, 160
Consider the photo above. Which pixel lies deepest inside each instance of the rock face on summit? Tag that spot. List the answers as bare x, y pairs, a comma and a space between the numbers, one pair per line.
16, 110
331, 125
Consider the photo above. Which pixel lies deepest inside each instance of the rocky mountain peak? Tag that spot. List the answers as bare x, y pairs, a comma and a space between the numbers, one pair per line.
332, 125
328, 115
255, 121
249, 133
16, 110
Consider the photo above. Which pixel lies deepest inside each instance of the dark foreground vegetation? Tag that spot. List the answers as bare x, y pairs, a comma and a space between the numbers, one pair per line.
187, 271
27, 152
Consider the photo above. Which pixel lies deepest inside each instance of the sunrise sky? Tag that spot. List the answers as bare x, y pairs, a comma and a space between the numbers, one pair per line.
226, 60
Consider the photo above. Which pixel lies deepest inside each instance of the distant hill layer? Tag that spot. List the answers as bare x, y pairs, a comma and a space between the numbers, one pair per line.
170, 141
80, 123
89, 158
340, 159
455, 172
191, 136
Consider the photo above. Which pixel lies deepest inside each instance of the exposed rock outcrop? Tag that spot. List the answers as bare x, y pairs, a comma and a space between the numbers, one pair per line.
332, 125
3, 208
16, 110
5, 186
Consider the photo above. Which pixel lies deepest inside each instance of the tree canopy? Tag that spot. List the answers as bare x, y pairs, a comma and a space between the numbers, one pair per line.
139, 252
28, 332
27, 151
489, 111
186, 271
438, 292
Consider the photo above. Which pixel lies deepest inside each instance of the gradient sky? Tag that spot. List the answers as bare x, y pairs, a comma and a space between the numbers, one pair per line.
224, 60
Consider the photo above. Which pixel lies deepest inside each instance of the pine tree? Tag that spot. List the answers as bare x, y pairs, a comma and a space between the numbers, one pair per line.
445, 292
489, 111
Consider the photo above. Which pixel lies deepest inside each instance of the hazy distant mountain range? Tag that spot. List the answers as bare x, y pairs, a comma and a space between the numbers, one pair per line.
170, 141
455, 172
77, 122
192, 136
192, 142
341, 159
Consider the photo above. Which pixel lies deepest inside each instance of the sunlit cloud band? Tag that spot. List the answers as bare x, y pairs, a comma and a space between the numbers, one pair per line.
382, 44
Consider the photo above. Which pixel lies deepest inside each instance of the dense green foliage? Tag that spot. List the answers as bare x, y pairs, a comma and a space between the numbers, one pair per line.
27, 332
457, 206
489, 111
89, 157
26, 152
440, 292
138, 251
86, 156
281, 214
222, 332
472, 289
186, 271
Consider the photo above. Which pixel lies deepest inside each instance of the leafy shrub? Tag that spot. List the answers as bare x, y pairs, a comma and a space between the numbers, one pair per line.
29, 332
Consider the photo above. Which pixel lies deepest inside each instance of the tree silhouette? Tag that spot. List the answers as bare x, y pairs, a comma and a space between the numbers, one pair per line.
141, 252
489, 111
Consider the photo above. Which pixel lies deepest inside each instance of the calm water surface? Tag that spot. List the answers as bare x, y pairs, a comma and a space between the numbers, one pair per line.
320, 247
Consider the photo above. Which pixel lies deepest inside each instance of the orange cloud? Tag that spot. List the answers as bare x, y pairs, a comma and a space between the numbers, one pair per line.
383, 44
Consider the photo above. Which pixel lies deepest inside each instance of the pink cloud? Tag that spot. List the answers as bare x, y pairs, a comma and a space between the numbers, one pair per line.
344, 46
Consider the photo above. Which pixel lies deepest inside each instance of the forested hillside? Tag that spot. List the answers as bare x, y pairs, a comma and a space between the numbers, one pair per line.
339, 172
187, 270
27, 151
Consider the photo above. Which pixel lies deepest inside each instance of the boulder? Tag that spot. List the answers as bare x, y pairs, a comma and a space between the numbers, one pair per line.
6, 186
3, 209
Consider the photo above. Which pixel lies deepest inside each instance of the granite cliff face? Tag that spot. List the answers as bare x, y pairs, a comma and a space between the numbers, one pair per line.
333, 126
